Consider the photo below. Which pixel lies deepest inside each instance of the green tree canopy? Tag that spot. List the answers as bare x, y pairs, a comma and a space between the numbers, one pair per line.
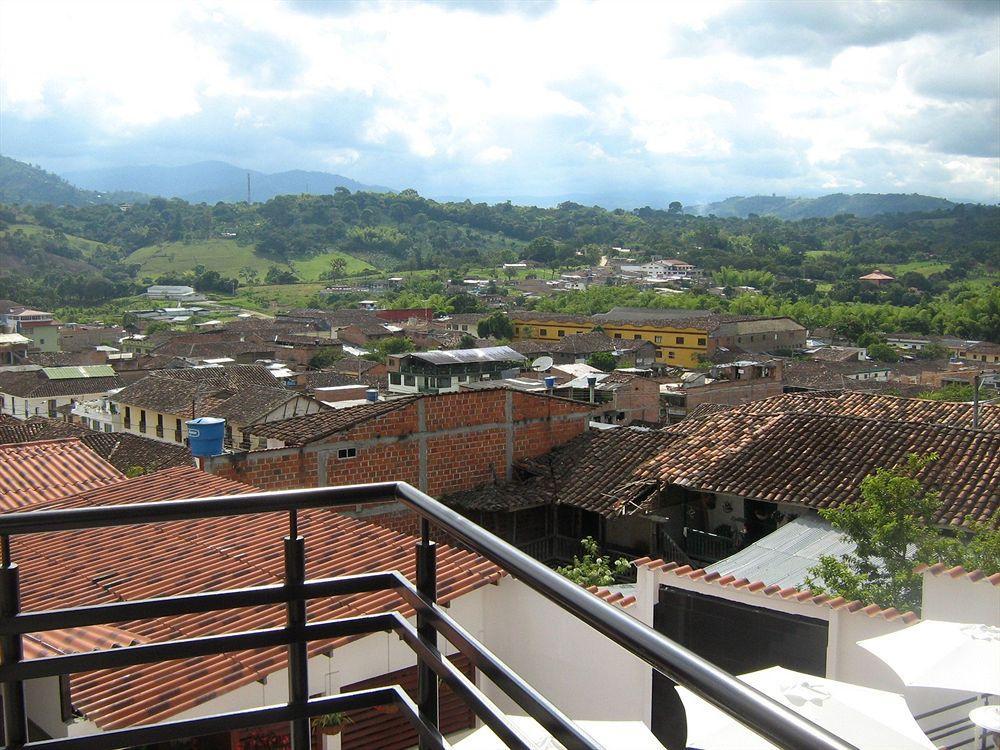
593, 569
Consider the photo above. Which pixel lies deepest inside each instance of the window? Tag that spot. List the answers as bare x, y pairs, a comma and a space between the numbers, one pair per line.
394, 378
657, 339
444, 382
679, 340
543, 332
618, 335
177, 430
702, 342
142, 420
560, 334
159, 425
409, 380
659, 354
517, 330
637, 337
128, 417
670, 354
343, 453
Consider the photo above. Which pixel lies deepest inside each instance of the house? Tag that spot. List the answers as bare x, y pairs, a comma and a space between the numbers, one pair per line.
444, 371
31, 390
160, 404
127, 453
733, 383
983, 351
74, 337
617, 397
14, 348
175, 293
438, 443
663, 270
576, 490
682, 338
812, 375
579, 347
464, 322
877, 278
44, 333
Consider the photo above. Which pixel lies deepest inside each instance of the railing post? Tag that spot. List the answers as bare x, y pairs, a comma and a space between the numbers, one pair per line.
15, 715
298, 669
427, 683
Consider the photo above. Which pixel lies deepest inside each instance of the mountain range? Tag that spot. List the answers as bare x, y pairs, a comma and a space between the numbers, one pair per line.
860, 204
214, 181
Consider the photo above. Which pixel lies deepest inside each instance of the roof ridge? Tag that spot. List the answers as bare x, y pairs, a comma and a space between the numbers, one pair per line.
958, 571
787, 593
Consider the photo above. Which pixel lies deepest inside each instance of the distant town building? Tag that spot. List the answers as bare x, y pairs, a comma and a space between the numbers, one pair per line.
446, 370
877, 277
178, 293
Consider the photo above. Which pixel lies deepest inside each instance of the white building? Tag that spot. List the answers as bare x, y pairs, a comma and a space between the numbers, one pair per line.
178, 293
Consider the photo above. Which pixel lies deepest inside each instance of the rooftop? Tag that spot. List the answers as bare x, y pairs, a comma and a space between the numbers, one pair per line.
32, 473
467, 356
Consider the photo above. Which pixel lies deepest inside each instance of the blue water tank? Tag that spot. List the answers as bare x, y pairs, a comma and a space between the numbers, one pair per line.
206, 435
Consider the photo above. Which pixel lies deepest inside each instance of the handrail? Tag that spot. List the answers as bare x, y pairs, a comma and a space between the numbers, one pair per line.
758, 712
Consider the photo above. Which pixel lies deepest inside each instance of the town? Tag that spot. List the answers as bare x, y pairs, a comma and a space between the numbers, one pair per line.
481, 374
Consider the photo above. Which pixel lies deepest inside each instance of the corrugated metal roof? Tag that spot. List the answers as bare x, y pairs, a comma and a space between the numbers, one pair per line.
84, 371
785, 556
465, 356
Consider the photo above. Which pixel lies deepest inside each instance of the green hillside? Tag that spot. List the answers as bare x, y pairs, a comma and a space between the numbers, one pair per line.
27, 184
86, 247
228, 257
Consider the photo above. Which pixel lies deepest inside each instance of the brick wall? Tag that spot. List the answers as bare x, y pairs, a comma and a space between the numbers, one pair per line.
441, 444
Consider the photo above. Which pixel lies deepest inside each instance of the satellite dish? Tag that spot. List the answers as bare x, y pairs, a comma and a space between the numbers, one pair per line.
542, 364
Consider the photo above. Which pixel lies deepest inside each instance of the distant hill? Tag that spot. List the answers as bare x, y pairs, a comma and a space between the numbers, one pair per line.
214, 181
27, 184
861, 205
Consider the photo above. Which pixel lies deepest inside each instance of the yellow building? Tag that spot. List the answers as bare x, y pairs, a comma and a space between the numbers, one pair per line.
680, 340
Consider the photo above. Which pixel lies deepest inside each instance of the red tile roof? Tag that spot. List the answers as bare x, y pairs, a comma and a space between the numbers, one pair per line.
804, 596
32, 473
78, 568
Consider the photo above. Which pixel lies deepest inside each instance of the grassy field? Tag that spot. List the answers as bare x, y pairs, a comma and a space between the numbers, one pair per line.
85, 246
274, 296
227, 257
925, 267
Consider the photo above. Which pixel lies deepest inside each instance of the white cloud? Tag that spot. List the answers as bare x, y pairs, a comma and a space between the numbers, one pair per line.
732, 96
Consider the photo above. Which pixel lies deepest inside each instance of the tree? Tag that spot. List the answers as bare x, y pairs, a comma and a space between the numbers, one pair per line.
593, 569
249, 275
337, 267
324, 358
497, 326
605, 361
883, 353
893, 529
393, 345
467, 341
276, 275
675, 207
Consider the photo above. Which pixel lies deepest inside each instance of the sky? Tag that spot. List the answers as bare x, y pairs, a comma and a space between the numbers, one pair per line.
661, 100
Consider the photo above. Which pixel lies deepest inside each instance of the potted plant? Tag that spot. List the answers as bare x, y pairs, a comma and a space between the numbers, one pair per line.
331, 723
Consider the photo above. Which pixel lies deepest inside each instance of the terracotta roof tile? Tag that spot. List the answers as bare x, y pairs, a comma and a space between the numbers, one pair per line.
32, 473
803, 596
957, 571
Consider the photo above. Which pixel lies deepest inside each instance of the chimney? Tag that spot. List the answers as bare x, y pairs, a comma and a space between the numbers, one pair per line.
591, 385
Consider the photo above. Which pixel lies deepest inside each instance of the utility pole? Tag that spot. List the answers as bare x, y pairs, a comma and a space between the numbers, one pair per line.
248, 188
975, 401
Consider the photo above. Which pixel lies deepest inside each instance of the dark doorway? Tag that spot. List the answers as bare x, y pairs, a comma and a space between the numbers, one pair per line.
736, 637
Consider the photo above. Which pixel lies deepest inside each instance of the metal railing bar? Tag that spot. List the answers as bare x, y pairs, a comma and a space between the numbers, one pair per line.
148, 653
750, 707
537, 706
185, 604
69, 519
745, 704
941, 727
464, 688
967, 726
172, 730
949, 707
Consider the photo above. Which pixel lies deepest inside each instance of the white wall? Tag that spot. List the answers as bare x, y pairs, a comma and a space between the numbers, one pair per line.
580, 671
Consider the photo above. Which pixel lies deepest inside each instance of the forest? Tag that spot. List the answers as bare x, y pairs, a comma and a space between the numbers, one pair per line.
946, 261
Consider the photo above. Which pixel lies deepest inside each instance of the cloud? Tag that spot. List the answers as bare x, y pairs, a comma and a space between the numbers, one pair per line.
697, 100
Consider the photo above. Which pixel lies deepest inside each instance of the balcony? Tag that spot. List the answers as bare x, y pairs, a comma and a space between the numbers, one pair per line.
766, 717
159, 430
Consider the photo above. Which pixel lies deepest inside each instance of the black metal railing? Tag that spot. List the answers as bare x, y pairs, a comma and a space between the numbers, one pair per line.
708, 547
755, 710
